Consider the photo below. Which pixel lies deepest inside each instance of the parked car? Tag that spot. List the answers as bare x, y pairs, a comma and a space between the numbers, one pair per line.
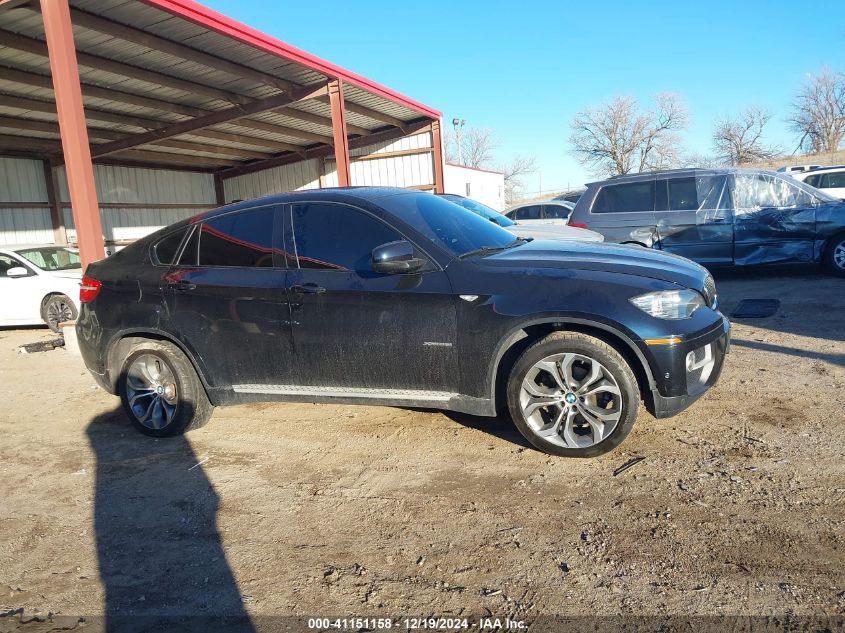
571, 196
534, 231
396, 297
538, 213
831, 179
39, 284
719, 216
796, 169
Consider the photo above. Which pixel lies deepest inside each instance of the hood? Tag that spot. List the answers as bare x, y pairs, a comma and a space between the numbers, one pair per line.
617, 258
555, 232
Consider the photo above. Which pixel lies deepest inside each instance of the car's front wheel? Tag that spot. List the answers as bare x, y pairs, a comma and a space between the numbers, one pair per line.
573, 395
161, 392
835, 255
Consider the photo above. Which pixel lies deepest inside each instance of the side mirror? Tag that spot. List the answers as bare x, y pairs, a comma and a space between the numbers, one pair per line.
395, 258
17, 271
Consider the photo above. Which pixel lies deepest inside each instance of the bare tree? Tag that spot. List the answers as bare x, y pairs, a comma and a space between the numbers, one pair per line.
514, 172
739, 140
818, 112
620, 138
477, 145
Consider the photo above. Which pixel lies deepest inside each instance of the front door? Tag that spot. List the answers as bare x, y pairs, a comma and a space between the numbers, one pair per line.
20, 297
227, 301
775, 220
694, 218
354, 328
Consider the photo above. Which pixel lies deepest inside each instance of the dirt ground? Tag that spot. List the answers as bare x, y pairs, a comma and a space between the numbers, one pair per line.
279, 509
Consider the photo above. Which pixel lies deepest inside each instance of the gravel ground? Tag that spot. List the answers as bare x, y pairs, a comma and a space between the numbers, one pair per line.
281, 509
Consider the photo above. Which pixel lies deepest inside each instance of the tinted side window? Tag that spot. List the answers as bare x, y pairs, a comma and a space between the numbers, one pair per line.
165, 249
555, 211
628, 198
683, 195
527, 213
833, 180
337, 237
814, 180
243, 239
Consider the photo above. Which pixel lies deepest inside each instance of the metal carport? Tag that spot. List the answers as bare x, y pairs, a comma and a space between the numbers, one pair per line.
173, 85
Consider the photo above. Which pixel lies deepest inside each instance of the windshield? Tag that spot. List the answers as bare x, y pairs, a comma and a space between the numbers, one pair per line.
452, 227
52, 257
480, 209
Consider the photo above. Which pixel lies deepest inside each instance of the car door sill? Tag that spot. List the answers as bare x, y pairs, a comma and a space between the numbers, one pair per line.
347, 392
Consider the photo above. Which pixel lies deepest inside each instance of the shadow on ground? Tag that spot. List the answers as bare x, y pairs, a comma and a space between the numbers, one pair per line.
160, 553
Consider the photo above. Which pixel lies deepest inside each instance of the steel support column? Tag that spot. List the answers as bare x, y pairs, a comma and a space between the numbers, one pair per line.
57, 213
219, 189
437, 156
341, 142
77, 153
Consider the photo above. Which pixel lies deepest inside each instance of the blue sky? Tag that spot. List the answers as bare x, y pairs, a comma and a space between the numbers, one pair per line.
524, 68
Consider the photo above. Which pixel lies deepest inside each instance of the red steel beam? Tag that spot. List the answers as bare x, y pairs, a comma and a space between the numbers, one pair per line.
58, 30
341, 142
437, 144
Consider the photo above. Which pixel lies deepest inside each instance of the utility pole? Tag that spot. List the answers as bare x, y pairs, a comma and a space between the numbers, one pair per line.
458, 124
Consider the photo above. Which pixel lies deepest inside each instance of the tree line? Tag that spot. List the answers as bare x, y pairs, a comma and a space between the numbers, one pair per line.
621, 137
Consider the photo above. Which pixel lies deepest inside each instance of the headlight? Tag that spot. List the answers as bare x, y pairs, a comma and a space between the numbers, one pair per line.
670, 304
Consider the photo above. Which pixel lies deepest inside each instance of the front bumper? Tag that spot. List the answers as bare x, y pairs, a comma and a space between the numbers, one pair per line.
684, 371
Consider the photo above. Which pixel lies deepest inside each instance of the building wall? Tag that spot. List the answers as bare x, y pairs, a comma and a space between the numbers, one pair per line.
137, 201
295, 177
410, 170
488, 187
22, 181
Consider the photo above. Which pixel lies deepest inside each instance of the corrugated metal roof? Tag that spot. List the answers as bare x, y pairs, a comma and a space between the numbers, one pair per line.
161, 82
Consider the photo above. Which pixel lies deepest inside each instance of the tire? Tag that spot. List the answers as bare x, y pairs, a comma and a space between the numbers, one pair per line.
161, 392
604, 383
57, 309
834, 256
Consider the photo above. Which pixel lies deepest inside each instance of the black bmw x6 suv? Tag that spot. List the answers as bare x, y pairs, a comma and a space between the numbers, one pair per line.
395, 297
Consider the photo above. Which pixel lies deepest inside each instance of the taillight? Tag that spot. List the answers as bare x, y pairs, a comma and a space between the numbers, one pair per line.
89, 288
578, 225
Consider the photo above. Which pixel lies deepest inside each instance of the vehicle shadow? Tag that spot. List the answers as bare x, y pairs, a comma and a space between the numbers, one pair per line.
161, 559
501, 427
811, 302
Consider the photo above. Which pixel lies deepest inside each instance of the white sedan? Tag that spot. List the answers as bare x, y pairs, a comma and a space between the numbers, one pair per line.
39, 284
536, 230
547, 212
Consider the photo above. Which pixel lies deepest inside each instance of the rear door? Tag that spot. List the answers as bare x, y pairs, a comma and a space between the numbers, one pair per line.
694, 218
624, 212
355, 328
555, 214
530, 214
774, 220
227, 300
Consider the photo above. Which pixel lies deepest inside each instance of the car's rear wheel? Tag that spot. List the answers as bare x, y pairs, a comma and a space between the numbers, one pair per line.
573, 395
57, 309
161, 392
835, 255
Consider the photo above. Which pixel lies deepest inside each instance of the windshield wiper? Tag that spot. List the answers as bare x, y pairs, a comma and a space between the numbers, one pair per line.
487, 250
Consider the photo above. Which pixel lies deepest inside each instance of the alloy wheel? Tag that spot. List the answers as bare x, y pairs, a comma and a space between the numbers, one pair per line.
58, 311
571, 400
839, 255
151, 391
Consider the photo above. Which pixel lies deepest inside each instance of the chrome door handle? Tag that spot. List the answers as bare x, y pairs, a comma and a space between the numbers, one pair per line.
308, 289
181, 286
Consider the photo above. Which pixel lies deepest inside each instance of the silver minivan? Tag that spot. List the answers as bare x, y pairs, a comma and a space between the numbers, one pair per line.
718, 216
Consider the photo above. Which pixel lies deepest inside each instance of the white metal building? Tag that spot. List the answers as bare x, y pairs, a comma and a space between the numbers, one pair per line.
484, 185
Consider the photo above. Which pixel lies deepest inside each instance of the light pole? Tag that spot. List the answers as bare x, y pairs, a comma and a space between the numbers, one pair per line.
458, 125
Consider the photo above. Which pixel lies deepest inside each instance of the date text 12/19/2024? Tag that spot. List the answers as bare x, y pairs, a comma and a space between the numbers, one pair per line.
488, 623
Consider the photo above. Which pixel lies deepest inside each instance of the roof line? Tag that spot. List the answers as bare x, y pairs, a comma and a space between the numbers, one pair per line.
214, 20
489, 171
